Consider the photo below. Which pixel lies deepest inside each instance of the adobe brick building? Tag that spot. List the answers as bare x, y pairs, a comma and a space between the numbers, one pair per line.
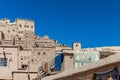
22, 52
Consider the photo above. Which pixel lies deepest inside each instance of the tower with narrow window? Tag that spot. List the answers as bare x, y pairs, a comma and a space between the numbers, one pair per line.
76, 46
20, 29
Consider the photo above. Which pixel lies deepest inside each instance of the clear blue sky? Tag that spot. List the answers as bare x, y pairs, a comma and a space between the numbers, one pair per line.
91, 22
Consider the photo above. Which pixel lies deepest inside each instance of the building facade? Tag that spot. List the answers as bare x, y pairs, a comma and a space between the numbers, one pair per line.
21, 51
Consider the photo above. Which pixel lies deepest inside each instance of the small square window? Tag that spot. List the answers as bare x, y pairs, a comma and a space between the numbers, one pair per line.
19, 38
27, 26
71, 57
24, 66
32, 60
20, 25
21, 58
44, 53
38, 53
76, 45
31, 26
